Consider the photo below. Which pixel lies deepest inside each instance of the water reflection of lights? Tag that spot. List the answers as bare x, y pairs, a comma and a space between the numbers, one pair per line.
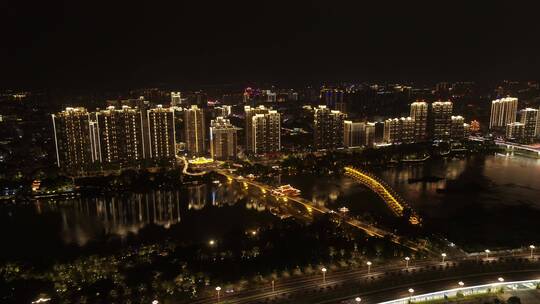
86, 219
197, 196
118, 215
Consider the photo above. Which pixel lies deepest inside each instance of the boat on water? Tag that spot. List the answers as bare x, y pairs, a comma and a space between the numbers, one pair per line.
286, 190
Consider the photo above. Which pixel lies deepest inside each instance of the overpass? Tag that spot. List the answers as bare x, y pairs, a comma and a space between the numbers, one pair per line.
509, 145
461, 292
396, 204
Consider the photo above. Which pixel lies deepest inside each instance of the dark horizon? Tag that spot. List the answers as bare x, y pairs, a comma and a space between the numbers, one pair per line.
91, 46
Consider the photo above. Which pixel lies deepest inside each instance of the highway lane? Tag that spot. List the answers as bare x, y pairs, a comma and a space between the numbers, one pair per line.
400, 291
286, 287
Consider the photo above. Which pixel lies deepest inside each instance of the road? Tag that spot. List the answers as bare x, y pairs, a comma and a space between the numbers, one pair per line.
424, 276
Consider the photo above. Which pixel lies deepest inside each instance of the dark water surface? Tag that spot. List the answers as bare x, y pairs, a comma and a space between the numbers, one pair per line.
478, 202
67, 228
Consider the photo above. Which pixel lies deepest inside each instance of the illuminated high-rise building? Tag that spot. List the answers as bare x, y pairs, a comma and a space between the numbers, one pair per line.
515, 131
120, 135
441, 112
94, 138
457, 130
194, 127
369, 134
75, 149
419, 114
466, 130
392, 131
249, 112
358, 134
406, 125
332, 98
399, 130
161, 133
352, 133
503, 112
222, 111
328, 128
223, 140
176, 99
266, 133
529, 118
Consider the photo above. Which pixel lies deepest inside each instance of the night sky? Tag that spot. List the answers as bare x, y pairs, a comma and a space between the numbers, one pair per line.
116, 43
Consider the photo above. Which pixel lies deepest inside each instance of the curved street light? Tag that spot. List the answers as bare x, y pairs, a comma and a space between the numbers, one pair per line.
218, 289
411, 292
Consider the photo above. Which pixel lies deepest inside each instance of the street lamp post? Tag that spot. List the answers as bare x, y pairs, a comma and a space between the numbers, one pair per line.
324, 275
411, 292
358, 300
273, 286
218, 289
487, 251
532, 247
407, 259
368, 263
443, 255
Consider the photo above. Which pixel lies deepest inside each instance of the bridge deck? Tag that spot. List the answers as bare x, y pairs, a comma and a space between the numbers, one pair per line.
396, 204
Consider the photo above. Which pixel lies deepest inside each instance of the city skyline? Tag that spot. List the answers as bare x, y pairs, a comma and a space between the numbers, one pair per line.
213, 152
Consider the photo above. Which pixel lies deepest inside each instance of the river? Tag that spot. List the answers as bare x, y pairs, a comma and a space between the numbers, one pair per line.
477, 202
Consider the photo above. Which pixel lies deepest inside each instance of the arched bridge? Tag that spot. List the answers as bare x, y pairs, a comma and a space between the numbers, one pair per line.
396, 204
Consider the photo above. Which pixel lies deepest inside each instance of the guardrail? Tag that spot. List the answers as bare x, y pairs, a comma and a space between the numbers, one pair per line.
464, 291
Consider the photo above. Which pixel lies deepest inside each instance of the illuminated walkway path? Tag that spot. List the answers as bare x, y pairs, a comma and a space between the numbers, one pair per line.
509, 145
394, 202
309, 207
186, 166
